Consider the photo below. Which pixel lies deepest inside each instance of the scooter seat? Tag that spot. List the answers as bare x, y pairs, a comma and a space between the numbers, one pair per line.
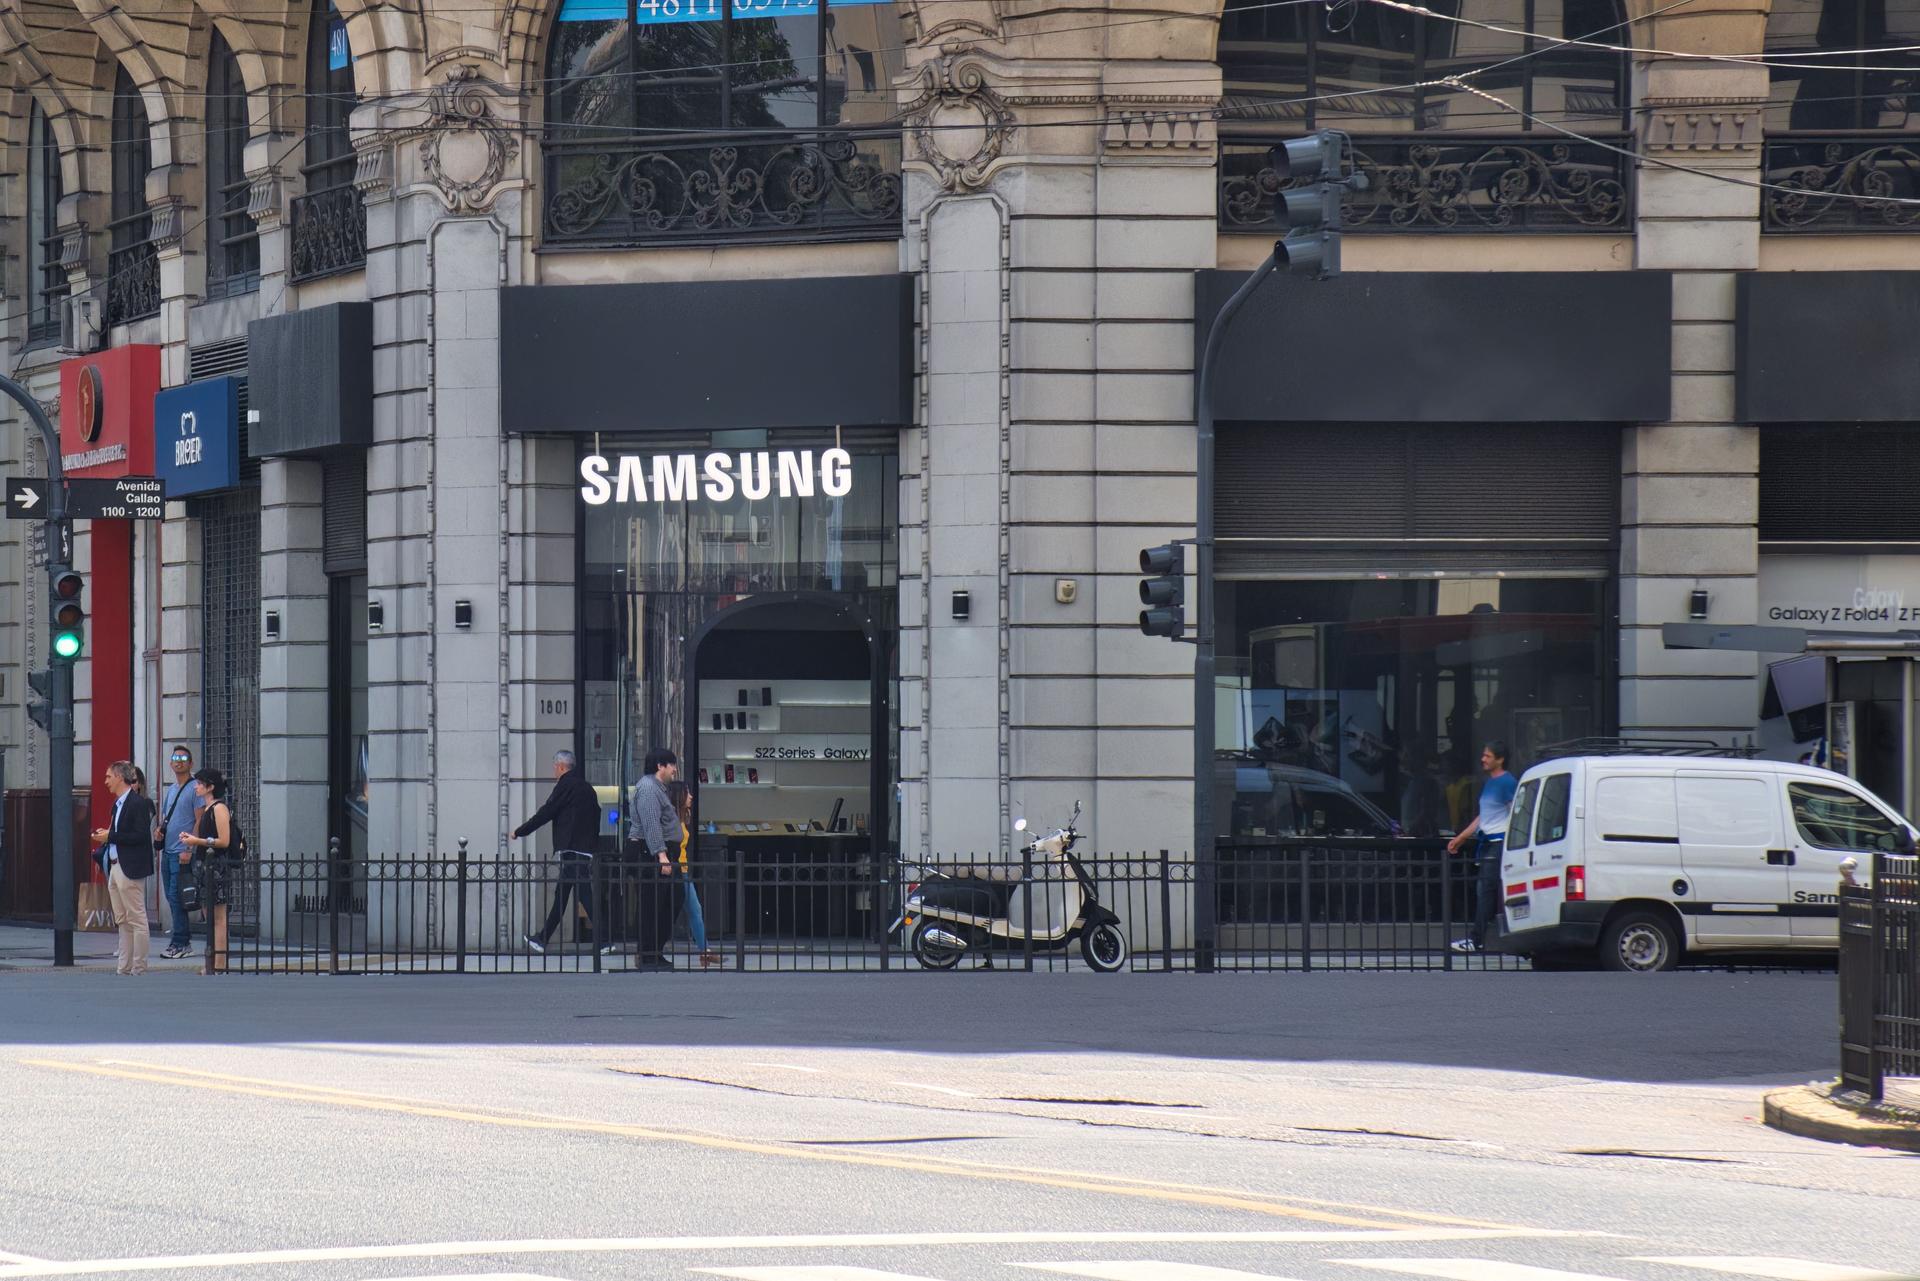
967, 895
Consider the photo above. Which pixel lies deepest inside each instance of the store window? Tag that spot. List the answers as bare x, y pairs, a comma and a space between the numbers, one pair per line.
751, 631
329, 219
46, 278
133, 268
676, 119
233, 242
1371, 698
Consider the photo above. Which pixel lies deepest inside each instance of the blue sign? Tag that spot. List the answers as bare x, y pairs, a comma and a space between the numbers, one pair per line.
648, 12
196, 436
339, 52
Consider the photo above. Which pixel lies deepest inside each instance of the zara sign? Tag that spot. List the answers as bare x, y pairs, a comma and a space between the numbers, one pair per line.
718, 477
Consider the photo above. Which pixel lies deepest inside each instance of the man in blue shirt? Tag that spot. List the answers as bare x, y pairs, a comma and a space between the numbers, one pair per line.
1489, 831
179, 812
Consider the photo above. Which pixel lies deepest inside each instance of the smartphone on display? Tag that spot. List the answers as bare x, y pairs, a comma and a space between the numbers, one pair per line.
753, 775
729, 773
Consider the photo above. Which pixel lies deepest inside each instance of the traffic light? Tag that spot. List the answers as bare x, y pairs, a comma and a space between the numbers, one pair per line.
40, 710
1311, 211
69, 615
1164, 591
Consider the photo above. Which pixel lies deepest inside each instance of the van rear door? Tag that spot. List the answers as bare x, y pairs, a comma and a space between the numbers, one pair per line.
1734, 864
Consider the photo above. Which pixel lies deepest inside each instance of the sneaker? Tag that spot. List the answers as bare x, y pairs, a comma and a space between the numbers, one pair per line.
611, 949
175, 951
535, 945
1467, 946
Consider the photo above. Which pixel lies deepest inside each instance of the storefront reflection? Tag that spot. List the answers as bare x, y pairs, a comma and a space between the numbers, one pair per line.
1358, 708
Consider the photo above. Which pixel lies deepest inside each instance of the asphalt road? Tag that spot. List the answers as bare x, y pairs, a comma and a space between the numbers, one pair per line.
950, 1127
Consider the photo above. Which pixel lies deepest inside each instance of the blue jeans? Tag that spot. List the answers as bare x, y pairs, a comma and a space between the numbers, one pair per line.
1491, 897
171, 874
696, 919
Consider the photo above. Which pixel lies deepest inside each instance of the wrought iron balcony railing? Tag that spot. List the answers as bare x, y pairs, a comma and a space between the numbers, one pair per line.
1826, 176
133, 270
812, 185
329, 232
1433, 183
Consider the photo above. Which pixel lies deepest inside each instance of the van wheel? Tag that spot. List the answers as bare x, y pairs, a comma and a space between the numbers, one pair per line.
1639, 943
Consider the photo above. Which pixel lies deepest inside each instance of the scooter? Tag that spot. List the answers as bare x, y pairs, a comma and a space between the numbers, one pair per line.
948, 916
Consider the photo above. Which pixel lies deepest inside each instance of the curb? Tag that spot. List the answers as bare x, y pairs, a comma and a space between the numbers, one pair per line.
1810, 1112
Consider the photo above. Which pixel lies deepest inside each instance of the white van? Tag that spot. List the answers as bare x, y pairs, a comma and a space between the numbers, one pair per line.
1640, 858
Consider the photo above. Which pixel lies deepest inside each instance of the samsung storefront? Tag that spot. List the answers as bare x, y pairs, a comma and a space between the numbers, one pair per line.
737, 540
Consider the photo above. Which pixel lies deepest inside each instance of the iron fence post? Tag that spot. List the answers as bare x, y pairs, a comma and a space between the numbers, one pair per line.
602, 923
1166, 913
1879, 986
460, 914
739, 866
333, 905
1306, 908
888, 880
1026, 929
1446, 908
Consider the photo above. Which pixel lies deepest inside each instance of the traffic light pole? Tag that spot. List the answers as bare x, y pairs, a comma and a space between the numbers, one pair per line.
1206, 898
59, 689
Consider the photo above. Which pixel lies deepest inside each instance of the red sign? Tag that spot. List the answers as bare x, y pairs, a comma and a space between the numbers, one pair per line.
106, 411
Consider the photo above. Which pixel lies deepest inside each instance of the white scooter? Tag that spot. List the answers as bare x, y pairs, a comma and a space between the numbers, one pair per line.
1049, 892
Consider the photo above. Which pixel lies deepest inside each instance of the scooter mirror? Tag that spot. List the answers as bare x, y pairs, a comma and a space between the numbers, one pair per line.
1019, 824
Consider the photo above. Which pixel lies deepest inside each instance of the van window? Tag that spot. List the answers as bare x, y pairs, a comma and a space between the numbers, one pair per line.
1520, 822
1728, 811
1838, 820
1636, 807
1555, 800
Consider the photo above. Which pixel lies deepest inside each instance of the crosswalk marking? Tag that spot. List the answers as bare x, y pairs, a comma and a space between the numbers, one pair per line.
821, 1272
1779, 1269
1150, 1270
1472, 1270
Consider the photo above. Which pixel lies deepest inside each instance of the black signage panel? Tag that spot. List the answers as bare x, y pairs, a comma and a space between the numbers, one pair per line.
122, 498
26, 499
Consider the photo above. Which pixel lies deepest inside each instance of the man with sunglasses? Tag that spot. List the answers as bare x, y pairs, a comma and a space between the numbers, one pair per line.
178, 813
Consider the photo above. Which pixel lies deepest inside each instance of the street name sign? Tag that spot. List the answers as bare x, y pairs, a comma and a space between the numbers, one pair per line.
91, 498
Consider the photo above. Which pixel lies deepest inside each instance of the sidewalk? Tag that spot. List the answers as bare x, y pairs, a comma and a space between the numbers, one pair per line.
1828, 1113
30, 947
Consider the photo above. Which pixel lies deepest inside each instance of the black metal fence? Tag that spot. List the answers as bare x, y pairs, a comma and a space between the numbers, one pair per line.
1880, 978
1285, 905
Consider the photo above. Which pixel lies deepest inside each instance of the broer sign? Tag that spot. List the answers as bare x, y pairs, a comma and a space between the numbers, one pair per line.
753, 475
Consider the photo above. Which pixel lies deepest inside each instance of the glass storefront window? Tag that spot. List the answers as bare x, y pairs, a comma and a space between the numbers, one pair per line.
1360, 707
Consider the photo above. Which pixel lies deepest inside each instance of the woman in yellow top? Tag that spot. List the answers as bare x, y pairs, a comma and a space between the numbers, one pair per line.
682, 797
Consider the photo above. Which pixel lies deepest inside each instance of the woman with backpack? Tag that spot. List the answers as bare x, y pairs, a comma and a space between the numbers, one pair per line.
218, 836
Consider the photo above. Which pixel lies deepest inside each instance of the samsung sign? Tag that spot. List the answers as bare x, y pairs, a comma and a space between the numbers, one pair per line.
196, 432
717, 477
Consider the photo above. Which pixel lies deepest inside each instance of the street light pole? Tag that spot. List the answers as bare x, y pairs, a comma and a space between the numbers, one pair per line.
59, 687
1206, 905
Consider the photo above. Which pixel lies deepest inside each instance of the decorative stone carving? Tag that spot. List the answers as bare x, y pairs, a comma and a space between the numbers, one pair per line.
373, 169
959, 124
265, 199
1702, 124
1159, 131
168, 223
468, 146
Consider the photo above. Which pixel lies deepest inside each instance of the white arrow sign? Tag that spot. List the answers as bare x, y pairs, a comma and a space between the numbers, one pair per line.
27, 498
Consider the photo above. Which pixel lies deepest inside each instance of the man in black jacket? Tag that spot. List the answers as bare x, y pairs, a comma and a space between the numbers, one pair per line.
126, 856
574, 811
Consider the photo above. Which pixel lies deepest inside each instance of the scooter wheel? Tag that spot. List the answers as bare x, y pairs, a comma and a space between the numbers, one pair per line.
931, 955
1104, 947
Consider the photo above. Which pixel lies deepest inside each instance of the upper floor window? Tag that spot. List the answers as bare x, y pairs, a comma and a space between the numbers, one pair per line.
46, 278
133, 271
676, 120
1442, 159
233, 242
329, 222
1828, 117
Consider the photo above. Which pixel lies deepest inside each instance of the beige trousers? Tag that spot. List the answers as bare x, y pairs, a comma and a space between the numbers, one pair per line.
129, 899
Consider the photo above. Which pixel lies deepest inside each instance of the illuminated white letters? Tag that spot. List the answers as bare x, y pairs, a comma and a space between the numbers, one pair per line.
593, 470
718, 477
796, 473
632, 487
755, 487
836, 473
673, 478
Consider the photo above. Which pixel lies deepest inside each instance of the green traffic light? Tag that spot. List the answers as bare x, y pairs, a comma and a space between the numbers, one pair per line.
66, 645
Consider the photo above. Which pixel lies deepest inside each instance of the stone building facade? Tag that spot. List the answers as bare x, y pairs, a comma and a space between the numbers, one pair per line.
403, 602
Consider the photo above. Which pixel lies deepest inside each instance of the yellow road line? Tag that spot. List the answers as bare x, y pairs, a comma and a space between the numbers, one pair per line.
161, 1074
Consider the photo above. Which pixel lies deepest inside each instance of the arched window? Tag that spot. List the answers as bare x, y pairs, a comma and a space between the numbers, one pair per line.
233, 242
133, 271
1829, 118
678, 120
46, 278
329, 222
1442, 159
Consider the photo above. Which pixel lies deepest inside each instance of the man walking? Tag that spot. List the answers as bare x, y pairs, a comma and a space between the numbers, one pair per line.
179, 812
1490, 831
654, 823
574, 811
126, 855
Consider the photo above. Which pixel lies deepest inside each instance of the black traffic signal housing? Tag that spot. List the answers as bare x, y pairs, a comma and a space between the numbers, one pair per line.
68, 613
40, 708
1164, 591
1319, 163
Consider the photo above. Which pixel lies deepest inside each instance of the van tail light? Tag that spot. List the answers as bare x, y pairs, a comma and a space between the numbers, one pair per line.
1576, 885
